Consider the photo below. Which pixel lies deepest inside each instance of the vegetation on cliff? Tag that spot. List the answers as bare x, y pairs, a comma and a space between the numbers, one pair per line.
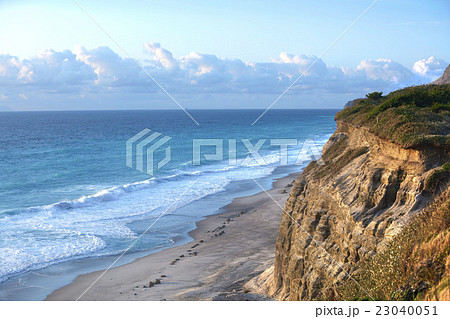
414, 266
375, 208
411, 117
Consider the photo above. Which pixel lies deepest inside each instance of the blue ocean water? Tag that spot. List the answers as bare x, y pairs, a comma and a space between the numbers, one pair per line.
66, 193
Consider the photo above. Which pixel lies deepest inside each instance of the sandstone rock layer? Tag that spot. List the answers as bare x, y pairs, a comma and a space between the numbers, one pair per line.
344, 209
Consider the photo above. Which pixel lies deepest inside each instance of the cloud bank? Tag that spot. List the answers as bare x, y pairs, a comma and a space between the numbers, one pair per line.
100, 76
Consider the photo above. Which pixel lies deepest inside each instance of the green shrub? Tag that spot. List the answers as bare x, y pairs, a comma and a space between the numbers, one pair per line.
375, 96
411, 117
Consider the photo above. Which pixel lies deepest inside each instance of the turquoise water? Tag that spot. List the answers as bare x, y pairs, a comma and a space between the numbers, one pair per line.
66, 193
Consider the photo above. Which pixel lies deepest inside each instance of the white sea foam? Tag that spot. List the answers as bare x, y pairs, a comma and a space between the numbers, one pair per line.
44, 235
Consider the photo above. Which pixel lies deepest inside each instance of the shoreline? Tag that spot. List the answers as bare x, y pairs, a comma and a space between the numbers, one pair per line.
228, 249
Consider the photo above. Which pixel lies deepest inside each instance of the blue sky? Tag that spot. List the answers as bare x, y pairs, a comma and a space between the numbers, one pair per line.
377, 53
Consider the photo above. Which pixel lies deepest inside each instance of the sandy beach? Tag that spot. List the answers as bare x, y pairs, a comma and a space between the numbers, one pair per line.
227, 250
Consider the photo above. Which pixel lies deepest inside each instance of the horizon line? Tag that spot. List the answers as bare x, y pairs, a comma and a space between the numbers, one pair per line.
172, 109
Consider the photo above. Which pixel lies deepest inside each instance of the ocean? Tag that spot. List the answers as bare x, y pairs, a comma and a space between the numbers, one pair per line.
69, 203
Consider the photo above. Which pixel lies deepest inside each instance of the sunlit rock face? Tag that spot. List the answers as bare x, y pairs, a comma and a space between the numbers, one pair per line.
345, 210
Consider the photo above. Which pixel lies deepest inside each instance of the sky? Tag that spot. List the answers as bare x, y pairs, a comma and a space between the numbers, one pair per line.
215, 54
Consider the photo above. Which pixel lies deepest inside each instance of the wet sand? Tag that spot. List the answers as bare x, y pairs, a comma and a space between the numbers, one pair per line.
228, 249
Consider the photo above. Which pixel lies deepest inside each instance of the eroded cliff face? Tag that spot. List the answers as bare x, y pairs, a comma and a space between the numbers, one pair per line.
345, 209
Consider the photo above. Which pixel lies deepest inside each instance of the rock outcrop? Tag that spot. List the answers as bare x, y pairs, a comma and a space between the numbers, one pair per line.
351, 103
445, 78
345, 209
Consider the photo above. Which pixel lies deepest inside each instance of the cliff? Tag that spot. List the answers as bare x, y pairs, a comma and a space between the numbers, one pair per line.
382, 168
445, 78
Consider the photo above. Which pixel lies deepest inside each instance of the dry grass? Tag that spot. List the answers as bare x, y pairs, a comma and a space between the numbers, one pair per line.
334, 165
414, 265
437, 178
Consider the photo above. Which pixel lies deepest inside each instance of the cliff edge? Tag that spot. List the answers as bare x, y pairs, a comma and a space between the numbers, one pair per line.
382, 170
445, 78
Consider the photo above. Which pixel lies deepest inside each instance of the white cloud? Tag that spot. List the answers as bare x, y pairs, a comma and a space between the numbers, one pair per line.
98, 72
431, 68
13, 71
161, 56
298, 64
384, 69
48, 70
111, 69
